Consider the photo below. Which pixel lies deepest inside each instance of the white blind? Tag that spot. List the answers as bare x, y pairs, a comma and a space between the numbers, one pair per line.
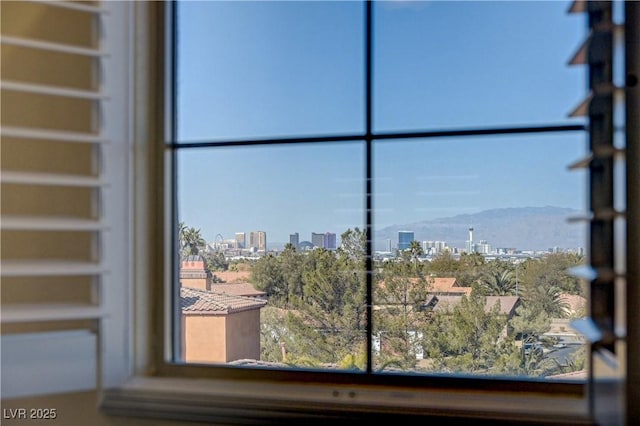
605, 327
59, 197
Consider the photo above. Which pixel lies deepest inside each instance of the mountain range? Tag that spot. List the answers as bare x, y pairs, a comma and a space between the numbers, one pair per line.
522, 228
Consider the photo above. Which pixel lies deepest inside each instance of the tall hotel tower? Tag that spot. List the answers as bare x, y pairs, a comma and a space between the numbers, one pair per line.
294, 239
258, 239
240, 240
317, 240
404, 239
330, 241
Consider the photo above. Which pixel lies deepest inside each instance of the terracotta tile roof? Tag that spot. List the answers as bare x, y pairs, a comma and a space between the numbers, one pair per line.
446, 285
237, 289
446, 303
507, 303
198, 301
575, 302
440, 284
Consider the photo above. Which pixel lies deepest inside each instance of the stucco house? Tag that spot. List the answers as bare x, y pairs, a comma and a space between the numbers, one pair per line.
220, 322
218, 327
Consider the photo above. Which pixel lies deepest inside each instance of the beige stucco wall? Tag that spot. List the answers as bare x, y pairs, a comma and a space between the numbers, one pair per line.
243, 335
218, 338
204, 338
199, 283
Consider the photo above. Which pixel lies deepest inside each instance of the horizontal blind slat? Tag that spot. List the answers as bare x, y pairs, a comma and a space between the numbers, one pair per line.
67, 365
53, 135
72, 5
10, 222
38, 267
31, 178
601, 152
603, 214
580, 56
13, 314
41, 89
589, 273
51, 47
582, 110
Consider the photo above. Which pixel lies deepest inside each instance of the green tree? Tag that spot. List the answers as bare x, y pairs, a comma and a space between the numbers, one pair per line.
216, 261
274, 336
291, 267
551, 271
468, 339
497, 283
444, 264
530, 320
399, 317
547, 299
266, 275
329, 322
415, 250
324, 294
191, 241
182, 229
353, 244
470, 269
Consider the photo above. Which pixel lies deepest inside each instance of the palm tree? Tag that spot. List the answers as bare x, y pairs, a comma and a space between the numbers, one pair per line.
191, 241
182, 229
415, 250
498, 283
549, 300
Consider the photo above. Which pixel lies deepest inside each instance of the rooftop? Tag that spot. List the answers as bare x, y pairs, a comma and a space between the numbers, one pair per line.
507, 303
196, 301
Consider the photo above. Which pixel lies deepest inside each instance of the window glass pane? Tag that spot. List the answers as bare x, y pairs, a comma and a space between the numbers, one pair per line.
272, 255
269, 69
442, 64
471, 247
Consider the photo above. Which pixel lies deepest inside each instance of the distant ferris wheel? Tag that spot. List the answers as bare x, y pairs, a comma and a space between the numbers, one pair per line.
217, 242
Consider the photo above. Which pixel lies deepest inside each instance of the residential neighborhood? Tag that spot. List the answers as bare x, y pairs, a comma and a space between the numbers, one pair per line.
307, 308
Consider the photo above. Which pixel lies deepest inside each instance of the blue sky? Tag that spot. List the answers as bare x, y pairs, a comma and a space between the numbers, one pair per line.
269, 69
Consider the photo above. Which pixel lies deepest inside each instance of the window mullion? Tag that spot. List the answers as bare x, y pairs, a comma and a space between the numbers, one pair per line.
369, 178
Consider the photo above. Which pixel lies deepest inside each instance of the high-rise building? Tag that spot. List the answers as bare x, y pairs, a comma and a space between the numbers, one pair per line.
388, 245
470, 247
404, 239
440, 246
240, 240
317, 240
258, 239
330, 241
294, 239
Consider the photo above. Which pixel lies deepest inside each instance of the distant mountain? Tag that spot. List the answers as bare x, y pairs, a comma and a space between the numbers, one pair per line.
522, 228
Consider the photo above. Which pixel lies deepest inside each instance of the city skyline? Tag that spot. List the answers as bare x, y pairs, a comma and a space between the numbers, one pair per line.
456, 233
402, 243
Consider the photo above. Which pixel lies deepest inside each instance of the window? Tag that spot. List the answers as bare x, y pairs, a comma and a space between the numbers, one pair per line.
254, 95
360, 151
